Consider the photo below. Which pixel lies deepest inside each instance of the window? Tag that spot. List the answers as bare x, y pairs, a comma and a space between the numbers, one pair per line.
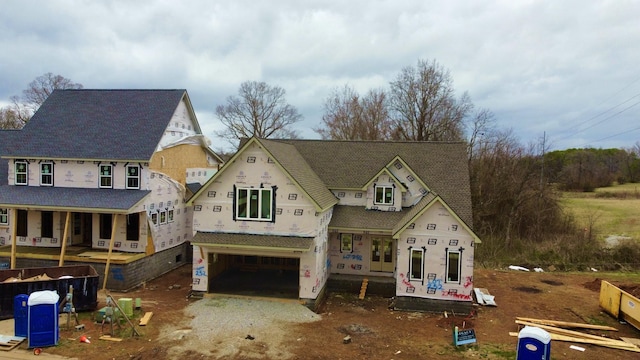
170, 215
21, 170
46, 174
346, 243
384, 195
105, 226
453, 266
133, 227
154, 218
163, 217
415, 267
4, 216
21, 229
133, 177
254, 204
47, 224
106, 172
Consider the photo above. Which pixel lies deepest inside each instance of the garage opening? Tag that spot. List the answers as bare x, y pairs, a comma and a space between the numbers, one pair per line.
251, 275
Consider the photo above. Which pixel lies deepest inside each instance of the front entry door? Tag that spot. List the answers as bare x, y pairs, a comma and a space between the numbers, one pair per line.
81, 229
382, 254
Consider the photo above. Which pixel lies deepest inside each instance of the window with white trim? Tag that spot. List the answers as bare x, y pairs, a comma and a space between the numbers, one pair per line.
254, 204
163, 216
416, 265
4, 216
106, 176
453, 266
21, 173
133, 177
46, 174
384, 195
170, 215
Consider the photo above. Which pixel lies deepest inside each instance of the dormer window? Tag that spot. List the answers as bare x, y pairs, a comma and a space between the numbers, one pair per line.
21, 173
46, 174
384, 195
106, 176
133, 177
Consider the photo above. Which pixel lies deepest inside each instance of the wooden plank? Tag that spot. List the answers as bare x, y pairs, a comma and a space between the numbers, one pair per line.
8, 343
633, 341
557, 330
604, 343
109, 338
568, 324
145, 319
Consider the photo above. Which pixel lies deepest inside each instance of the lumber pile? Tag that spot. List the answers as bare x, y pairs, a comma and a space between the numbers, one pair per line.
560, 331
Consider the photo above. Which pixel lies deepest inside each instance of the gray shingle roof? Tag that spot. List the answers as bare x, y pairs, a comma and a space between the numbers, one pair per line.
442, 166
98, 124
112, 200
359, 218
299, 169
253, 240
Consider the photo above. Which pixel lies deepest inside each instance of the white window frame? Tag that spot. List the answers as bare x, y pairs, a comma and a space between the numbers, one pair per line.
162, 215
459, 267
101, 176
421, 252
346, 243
130, 177
24, 173
385, 189
43, 174
154, 218
4, 216
259, 200
170, 215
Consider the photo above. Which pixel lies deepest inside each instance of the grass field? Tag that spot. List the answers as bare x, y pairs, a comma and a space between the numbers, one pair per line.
610, 211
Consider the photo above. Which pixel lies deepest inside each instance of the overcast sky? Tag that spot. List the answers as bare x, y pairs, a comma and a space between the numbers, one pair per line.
569, 69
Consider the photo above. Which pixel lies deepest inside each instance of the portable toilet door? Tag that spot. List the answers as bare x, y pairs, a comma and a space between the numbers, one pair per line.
533, 344
43, 319
20, 315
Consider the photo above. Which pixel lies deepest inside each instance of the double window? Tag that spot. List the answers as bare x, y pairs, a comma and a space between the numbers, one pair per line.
133, 177
254, 204
46, 174
21, 173
106, 176
384, 195
4, 216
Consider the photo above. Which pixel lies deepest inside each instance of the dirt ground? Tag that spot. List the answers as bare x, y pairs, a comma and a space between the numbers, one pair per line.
376, 331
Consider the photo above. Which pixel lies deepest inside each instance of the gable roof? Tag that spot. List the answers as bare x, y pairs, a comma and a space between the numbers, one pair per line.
292, 164
99, 124
443, 166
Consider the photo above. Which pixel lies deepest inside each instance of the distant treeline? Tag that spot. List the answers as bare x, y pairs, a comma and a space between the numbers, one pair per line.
588, 169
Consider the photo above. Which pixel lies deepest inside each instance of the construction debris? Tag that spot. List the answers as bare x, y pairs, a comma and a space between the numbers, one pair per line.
559, 332
145, 319
483, 297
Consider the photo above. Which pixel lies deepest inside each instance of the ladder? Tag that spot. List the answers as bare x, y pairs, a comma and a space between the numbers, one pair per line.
363, 288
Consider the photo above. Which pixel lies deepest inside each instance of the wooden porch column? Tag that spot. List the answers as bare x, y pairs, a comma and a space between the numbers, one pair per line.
64, 239
113, 239
14, 240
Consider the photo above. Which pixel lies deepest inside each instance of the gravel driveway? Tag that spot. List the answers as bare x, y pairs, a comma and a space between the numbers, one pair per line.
229, 326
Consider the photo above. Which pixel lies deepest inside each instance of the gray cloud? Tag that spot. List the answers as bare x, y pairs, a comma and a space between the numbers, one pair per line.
540, 66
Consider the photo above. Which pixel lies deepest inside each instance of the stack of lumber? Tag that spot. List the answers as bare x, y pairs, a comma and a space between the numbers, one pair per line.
559, 331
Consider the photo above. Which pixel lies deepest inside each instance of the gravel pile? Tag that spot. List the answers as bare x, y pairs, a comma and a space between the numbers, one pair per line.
227, 326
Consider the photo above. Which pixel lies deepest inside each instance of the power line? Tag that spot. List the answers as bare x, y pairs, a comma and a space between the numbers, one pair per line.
614, 135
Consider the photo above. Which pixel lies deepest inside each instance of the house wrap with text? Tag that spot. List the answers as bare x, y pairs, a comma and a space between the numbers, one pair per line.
98, 170
325, 209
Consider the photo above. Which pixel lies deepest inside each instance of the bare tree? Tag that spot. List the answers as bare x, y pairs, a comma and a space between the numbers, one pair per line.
259, 110
423, 105
9, 119
347, 116
38, 91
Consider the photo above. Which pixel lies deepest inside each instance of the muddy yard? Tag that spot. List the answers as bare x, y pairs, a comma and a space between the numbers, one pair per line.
375, 331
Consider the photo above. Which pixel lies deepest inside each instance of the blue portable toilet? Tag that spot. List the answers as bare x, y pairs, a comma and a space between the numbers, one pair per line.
20, 315
43, 318
533, 344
